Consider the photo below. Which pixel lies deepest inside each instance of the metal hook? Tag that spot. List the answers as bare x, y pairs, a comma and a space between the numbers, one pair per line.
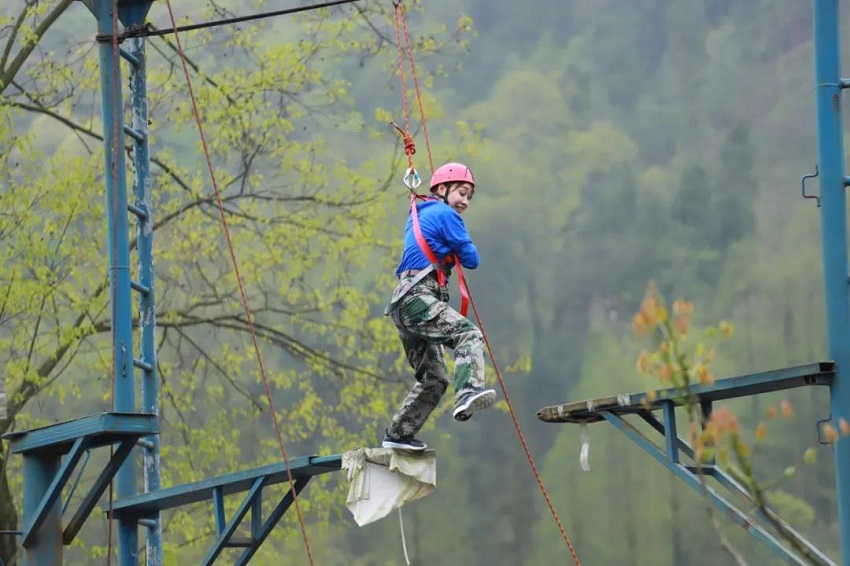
803, 186
412, 179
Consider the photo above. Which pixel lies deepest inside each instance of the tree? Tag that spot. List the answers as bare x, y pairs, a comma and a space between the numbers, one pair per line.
305, 222
736, 188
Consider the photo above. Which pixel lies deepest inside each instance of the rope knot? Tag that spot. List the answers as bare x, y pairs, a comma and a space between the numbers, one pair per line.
409, 144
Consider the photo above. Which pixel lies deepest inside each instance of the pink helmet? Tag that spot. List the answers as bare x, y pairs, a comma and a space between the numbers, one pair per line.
452, 173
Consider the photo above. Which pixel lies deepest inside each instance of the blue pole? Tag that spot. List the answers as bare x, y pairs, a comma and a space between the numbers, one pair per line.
119, 259
39, 470
147, 312
834, 234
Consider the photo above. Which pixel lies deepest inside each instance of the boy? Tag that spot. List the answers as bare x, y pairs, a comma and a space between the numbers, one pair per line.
425, 321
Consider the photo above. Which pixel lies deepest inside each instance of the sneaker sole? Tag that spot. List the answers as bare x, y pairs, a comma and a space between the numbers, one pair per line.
481, 401
402, 446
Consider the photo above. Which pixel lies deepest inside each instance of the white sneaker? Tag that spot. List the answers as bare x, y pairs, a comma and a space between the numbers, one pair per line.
472, 400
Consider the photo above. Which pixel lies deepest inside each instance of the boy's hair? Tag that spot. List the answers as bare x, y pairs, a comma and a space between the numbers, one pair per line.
455, 184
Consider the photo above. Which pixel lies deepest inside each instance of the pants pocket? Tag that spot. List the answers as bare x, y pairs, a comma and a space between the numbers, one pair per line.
418, 309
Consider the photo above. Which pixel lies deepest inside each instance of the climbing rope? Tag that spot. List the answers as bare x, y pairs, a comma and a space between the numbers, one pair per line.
401, 25
521, 436
409, 145
243, 296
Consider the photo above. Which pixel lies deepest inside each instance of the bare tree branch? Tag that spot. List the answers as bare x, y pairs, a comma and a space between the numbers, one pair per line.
204, 355
8, 70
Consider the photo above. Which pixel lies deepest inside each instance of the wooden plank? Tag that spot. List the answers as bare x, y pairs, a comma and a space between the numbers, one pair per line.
589, 411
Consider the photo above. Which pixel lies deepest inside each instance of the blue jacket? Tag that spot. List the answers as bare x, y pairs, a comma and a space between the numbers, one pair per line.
445, 232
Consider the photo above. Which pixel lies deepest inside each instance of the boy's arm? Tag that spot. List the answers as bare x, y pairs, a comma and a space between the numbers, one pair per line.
459, 241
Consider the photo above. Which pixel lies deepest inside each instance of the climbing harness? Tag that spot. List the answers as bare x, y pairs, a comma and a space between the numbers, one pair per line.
412, 178
412, 181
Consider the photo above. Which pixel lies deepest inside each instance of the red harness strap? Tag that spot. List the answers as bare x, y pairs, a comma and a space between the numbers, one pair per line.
429, 253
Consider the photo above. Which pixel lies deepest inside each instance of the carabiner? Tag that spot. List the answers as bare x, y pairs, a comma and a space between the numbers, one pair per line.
412, 179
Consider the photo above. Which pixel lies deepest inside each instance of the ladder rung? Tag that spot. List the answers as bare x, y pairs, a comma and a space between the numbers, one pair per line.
146, 444
140, 288
239, 542
129, 57
140, 212
139, 137
149, 523
142, 365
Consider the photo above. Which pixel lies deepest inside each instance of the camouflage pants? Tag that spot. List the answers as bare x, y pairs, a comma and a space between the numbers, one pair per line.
426, 325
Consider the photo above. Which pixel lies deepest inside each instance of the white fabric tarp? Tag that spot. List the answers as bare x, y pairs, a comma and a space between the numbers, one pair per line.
383, 479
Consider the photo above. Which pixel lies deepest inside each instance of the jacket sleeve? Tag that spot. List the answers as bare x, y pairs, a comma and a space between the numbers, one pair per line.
459, 241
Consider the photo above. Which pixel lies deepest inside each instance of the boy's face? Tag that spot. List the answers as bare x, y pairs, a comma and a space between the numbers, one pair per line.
459, 195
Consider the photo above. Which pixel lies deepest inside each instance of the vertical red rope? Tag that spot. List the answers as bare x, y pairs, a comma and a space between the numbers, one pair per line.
403, 80
400, 8
521, 436
401, 22
242, 294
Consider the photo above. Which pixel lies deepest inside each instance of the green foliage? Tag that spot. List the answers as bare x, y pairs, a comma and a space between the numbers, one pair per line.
612, 143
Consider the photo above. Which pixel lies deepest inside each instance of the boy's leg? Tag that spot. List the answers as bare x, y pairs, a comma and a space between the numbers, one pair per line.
438, 323
468, 346
429, 365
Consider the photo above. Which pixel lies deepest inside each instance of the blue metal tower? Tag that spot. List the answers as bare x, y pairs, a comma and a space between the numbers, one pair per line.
835, 373
833, 183
51, 454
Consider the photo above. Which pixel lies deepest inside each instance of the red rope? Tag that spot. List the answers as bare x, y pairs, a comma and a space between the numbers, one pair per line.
466, 295
408, 139
409, 144
242, 293
400, 8
522, 436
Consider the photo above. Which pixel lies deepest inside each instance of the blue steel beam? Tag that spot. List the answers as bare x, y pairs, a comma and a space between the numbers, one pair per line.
257, 516
768, 515
96, 491
132, 13
272, 521
820, 373
830, 134
226, 531
723, 478
118, 239
44, 475
143, 504
669, 434
671, 437
102, 429
39, 471
694, 481
142, 188
54, 490
218, 508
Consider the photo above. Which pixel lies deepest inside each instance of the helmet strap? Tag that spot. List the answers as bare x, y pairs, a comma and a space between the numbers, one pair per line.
445, 196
